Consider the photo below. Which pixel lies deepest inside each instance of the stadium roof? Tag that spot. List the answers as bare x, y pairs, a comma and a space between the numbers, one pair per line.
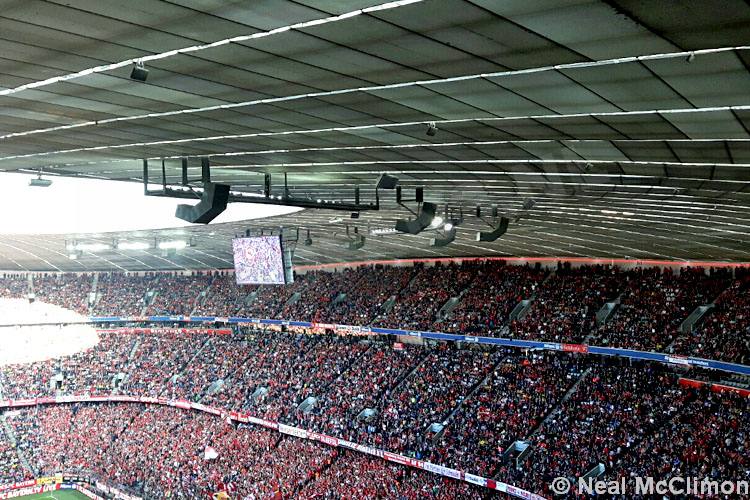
639, 157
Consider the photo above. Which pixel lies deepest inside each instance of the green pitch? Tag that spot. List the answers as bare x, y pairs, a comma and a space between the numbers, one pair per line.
57, 495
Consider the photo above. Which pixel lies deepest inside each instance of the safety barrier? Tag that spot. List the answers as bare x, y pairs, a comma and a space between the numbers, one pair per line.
672, 359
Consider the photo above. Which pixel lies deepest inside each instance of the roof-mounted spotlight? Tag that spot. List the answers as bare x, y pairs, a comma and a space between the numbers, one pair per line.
213, 200
447, 237
39, 182
356, 240
496, 232
431, 129
420, 223
386, 182
690, 57
139, 73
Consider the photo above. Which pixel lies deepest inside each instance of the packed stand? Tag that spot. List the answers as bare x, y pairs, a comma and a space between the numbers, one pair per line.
609, 413
14, 286
565, 306
654, 304
11, 469
369, 290
225, 297
305, 368
363, 386
218, 358
514, 400
352, 475
178, 294
122, 294
724, 333
271, 299
92, 371
418, 304
70, 291
161, 452
321, 289
485, 308
710, 438
428, 395
157, 358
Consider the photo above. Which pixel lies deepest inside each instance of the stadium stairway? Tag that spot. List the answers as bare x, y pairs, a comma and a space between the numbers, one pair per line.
93, 297
447, 420
8, 430
181, 369
573, 388
202, 296
553, 411
603, 316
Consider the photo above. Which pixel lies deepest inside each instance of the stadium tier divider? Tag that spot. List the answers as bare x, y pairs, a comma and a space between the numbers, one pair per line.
666, 358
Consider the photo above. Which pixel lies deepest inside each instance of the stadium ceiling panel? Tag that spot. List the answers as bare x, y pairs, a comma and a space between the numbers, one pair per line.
640, 158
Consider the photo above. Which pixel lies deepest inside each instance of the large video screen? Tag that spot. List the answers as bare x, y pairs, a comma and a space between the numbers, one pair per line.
258, 260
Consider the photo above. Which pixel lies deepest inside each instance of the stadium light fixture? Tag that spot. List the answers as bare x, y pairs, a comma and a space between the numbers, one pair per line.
386, 182
93, 247
446, 239
132, 245
436, 222
498, 231
421, 222
139, 73
39, 182
173, 245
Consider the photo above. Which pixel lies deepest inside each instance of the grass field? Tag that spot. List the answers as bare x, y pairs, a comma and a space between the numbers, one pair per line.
57, 495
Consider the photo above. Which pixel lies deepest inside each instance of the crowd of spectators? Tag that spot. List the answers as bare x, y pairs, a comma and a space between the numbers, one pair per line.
486, 306
369, 290
480, 400
14, 286
362, 387
161, 452
725, 331
520, 392
418, 304
225, 296
358, 476
321, 289
305, 368
485, 401
92, 371
654, 304
11, 469
709, 438
121, 294
178, 293
70, 291
427, 396
565, 306
609, 413
271, 299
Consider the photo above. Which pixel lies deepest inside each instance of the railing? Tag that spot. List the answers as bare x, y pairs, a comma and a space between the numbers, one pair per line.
671, 359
